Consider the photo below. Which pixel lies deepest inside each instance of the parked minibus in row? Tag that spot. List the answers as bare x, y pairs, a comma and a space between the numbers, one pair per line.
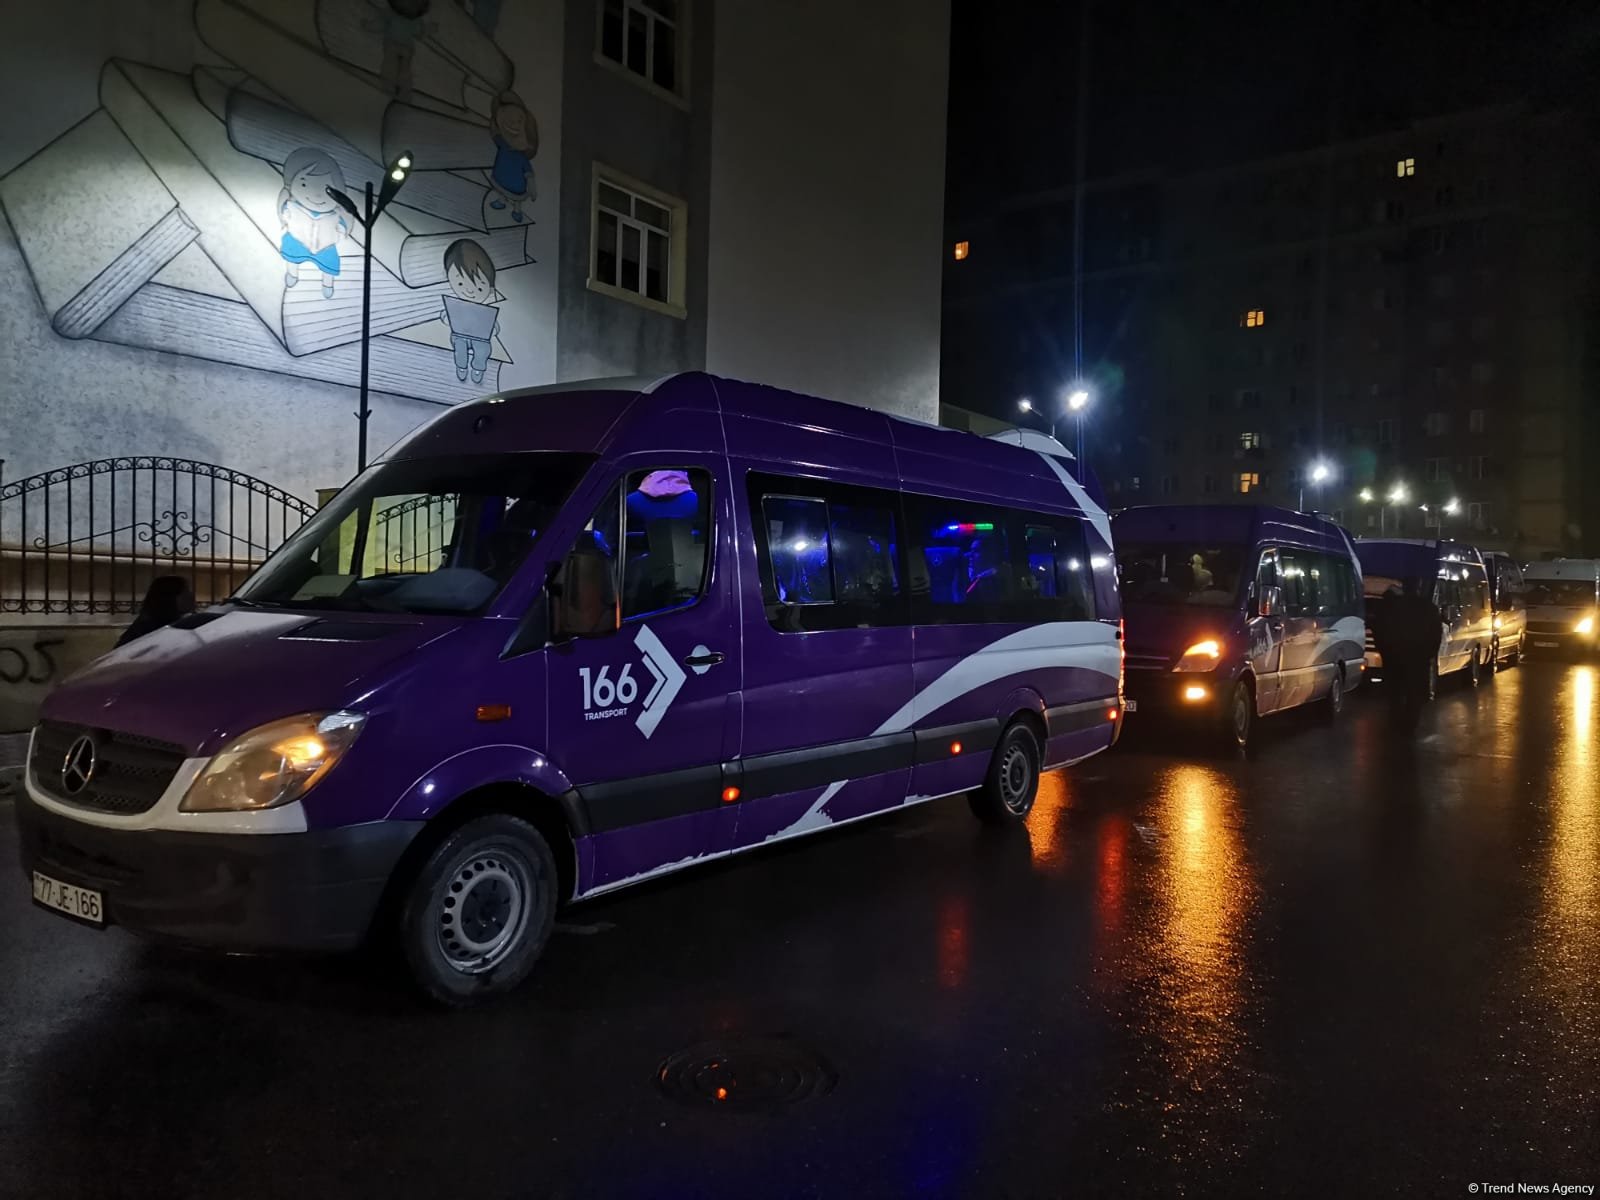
1236, 611
560, 641
1564, 604
1450, 574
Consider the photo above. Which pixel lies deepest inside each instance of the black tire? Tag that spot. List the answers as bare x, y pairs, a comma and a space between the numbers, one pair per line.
1474, 672
1515, 660
476, 916
1012, 784
1239, 717
1333, 707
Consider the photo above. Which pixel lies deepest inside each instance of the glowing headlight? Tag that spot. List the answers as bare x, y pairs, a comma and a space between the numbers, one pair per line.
274, 763
1202, 656
1584, 626
1497, 621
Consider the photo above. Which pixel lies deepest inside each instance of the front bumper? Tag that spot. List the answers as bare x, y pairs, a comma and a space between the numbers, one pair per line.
317, 890
1165, 692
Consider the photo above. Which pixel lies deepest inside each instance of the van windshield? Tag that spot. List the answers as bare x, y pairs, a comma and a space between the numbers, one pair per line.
439, 535
1561, 593
1179, 573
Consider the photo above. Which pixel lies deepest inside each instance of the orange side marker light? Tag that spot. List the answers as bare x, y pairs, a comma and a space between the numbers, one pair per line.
494, 712
729, 795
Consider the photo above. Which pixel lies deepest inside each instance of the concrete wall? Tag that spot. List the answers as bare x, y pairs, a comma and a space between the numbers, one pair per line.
144, 307
827, 195
36, 658
614, 119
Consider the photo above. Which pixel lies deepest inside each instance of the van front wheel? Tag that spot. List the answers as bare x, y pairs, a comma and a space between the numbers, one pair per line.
479, 911
1012, 784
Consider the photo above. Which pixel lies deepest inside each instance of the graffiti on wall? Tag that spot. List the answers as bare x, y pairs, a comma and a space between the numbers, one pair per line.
191, 213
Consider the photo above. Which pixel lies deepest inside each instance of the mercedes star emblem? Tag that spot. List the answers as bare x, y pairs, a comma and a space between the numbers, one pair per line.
78, 767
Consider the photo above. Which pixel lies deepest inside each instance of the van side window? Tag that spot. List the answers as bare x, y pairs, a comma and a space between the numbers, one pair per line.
828, 554
967, 561
1055, 583
666, 540
1292, 582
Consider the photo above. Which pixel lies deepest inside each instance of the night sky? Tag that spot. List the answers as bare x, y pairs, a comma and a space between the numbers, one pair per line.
1183, 85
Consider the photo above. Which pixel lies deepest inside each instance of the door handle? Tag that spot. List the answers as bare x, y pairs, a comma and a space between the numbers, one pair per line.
705, 660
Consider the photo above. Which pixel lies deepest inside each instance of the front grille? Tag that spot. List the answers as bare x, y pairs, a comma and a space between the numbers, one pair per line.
1148, 662
1548, 627
130, 772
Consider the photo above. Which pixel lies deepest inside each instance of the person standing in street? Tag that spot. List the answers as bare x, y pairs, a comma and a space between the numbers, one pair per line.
1407, 633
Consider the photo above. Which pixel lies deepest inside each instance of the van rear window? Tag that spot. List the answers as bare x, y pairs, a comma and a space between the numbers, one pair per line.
1179, 573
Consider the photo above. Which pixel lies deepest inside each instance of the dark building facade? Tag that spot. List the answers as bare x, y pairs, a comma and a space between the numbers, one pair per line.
1415, 311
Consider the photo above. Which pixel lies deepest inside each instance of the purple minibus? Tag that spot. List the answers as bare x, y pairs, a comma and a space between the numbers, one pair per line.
564, 640
1235, 611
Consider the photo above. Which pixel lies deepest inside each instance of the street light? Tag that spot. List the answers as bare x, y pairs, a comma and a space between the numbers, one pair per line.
394, 176
1078, 403
1452, 506
1320, 472
1026, 405
1397, 495
1365, 495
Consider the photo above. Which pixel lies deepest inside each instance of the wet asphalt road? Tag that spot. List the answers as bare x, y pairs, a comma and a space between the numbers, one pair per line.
1351, 966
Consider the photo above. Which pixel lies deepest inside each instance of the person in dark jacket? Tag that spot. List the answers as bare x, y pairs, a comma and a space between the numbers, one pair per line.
1407, 636
167, 599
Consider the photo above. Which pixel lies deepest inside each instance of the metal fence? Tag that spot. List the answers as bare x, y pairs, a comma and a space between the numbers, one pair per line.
89, 538
414, 532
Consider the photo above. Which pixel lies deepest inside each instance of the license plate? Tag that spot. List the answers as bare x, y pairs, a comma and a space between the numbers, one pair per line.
1547, 645
79, 902
1130, 706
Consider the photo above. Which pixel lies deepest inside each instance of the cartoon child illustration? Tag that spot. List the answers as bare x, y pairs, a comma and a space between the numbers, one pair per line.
470, 312
516, 141
400, 26
313, 223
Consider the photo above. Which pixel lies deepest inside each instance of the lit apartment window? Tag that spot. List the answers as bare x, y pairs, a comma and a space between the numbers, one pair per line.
638, 243
1405, 167
962, 250
641, 36
1253, 318
1247, 481
1435, 424
1477, 420
1250, 441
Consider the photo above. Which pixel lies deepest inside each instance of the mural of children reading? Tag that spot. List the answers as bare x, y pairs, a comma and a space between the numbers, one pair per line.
313, 223
400, 26
470, 312
516, 141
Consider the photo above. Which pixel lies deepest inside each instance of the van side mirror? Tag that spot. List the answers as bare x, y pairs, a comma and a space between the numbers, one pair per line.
584, 597
1271, 601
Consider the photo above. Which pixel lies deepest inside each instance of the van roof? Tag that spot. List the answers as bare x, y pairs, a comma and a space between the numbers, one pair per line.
1231, 523
1563, 568
1410, 558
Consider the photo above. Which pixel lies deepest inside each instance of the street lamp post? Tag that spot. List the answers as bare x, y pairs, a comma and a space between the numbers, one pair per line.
1398, 495
1321, 472
1026, 405
394, 176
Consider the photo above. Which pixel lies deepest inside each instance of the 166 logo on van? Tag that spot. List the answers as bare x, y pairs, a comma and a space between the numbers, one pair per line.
606, 696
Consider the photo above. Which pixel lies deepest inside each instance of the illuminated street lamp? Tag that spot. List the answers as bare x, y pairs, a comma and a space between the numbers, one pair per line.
1397, 495
1365, 496
1078, 403
1026, 405
1320, 473
394, 176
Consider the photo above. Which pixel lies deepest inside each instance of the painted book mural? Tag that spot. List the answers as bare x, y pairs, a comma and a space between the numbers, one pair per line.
191, 212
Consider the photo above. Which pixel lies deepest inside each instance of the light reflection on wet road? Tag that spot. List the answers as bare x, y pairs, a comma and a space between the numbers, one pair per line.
1353, 965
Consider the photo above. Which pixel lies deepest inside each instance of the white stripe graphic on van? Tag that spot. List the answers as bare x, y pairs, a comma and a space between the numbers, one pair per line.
1096, 514
1059, 644
669, 679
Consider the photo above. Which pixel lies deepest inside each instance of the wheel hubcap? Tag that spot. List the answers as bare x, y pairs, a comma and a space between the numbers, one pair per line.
481, 912
1015, 775
1241, 715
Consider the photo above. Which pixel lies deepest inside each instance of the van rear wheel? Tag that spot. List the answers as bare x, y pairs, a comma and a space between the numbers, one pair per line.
1012, 784
1239, 718
479, 910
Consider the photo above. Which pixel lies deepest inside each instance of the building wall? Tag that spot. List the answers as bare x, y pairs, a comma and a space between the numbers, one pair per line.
618, 121
148, 311
827, 188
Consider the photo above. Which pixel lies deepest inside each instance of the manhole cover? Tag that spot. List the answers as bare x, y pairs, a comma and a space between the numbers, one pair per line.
755, 1074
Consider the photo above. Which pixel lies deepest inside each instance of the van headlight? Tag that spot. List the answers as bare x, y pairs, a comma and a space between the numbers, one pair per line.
1202, 656
1585, 626
274, 763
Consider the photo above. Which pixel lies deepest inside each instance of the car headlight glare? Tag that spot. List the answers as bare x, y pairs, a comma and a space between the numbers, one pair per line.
1202, 656
273, 764
1584, 626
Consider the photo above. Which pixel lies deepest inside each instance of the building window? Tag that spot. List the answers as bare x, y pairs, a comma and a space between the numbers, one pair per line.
1250, 441
1246, 482
1430, 516
1171, 445
1248, 398
1478, 514
962, 250
1482, 327
1482, 372
1386, 431
1382, 300
1477, 420
638, 243
1404, 168
1444, 197
1169, 485
1435, 424
641, 36
1253, 318
1478, 466
1434, 470
1442, 286
1209, 485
